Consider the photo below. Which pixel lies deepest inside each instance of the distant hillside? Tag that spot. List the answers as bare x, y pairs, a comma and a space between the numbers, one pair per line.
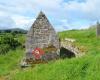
16, 30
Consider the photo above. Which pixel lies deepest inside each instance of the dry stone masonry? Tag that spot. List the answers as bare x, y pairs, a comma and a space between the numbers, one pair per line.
68, 44
42, 35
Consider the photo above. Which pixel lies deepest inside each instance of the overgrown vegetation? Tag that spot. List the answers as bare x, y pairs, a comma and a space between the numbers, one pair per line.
84, 38
83, 68
10, 61
9, 41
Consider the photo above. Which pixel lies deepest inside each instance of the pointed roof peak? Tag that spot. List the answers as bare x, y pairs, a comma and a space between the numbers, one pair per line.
41, 15
41, 12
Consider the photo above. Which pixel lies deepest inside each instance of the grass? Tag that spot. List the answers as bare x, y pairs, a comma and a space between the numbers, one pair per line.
10, 61
84, 68
85, 38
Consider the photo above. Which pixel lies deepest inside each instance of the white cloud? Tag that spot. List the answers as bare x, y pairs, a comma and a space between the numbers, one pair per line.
24, 6
87, 10
22, 21
63, 15
6, 22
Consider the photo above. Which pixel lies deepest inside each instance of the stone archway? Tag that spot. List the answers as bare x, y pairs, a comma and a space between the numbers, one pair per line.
65, 53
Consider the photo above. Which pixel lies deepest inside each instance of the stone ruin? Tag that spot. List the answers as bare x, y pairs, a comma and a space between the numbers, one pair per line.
98, 29
42, 35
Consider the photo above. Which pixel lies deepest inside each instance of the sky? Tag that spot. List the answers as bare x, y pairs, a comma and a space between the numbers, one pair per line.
63, 14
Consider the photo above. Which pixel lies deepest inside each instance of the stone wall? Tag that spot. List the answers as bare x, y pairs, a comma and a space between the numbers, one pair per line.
69, 45
41, 34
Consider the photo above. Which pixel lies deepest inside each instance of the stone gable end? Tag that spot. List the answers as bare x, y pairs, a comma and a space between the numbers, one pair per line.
41, 34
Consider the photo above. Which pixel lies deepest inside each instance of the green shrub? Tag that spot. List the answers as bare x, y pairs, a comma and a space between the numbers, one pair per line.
4, 48
8, 42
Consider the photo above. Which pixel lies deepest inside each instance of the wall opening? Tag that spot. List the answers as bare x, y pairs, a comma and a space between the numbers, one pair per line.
65, 53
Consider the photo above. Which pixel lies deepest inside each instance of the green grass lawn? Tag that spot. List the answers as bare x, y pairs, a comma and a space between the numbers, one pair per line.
10, 61
86, 67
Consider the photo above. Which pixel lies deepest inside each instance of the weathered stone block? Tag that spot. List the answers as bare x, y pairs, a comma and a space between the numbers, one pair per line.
42, 35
